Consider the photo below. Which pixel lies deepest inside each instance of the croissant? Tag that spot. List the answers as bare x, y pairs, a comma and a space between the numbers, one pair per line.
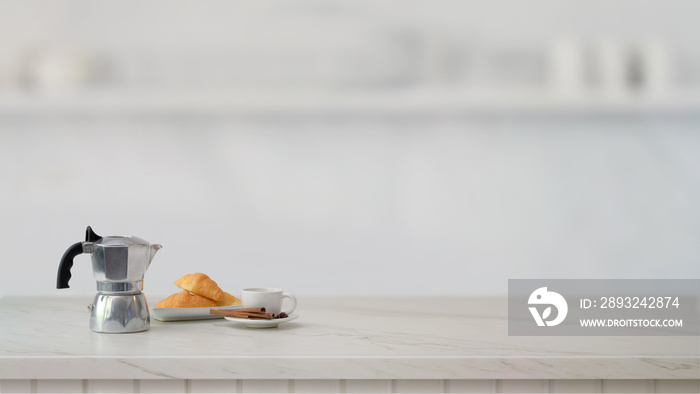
228, 300
200, 284
185, 299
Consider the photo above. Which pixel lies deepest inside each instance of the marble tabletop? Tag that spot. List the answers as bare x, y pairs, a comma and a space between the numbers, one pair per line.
333, 338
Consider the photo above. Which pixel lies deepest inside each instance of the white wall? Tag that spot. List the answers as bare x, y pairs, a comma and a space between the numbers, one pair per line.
360, 206
206, 128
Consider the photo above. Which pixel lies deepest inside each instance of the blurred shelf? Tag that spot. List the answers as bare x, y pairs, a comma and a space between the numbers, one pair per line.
306, 103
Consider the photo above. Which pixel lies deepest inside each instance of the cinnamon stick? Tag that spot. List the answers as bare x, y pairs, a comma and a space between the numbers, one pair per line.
248, 313
252, 315
261, 309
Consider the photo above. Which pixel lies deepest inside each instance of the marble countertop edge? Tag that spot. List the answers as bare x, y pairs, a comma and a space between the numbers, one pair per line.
347, 368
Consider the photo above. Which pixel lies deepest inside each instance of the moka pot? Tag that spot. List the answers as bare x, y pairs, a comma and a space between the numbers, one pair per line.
119, 264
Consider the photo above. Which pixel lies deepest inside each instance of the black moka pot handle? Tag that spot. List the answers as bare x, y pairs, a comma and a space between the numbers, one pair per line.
67, 260
66, 264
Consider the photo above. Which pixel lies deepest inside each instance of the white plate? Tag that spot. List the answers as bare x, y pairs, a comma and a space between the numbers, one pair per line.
174, 314
261, 323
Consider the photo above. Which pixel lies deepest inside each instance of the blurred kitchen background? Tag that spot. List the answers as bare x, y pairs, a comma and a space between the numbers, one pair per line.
352, 147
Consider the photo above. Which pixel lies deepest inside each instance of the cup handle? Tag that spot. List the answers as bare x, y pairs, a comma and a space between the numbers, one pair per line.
291, 298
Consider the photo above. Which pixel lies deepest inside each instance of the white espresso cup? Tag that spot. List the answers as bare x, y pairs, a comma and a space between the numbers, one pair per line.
267, 297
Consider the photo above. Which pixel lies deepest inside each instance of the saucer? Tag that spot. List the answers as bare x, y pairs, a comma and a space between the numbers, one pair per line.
261, 323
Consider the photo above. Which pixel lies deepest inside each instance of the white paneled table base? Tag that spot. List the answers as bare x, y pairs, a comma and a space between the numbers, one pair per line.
338, 345
350, 386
